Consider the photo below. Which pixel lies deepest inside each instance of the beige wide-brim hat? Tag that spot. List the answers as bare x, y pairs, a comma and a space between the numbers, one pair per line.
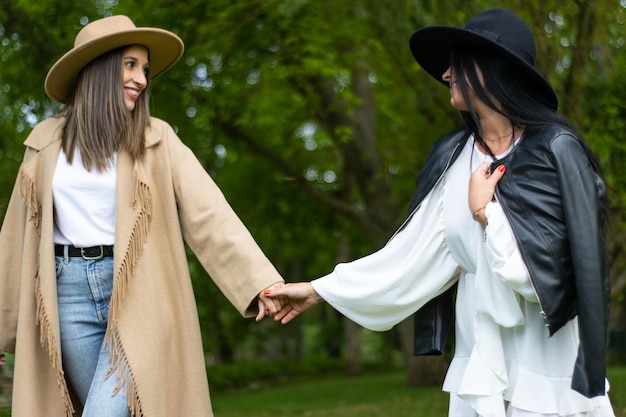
104, 35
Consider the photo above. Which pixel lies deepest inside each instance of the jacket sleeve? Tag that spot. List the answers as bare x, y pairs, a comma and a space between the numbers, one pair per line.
583, 196
432, 324
215, 234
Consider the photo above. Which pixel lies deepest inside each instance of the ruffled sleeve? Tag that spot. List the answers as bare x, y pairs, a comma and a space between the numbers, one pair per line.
503, 254
381, 289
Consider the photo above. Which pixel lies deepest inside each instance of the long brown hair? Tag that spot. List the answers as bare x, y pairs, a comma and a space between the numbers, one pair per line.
98, 122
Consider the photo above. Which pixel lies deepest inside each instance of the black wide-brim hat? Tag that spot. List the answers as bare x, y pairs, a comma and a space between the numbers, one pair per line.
497, 30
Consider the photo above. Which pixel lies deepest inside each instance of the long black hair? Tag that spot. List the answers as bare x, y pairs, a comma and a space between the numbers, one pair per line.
506, 89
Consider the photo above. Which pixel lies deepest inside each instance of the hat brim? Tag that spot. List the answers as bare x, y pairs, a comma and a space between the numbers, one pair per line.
432, 46
165, 49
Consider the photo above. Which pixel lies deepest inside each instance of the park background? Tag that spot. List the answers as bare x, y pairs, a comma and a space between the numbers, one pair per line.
314, 120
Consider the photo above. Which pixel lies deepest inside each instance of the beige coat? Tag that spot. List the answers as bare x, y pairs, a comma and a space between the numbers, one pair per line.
161, 199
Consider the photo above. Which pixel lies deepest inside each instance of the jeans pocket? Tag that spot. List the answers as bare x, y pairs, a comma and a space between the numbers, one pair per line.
58, 265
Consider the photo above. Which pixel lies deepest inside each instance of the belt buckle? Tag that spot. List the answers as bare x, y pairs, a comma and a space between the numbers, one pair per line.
92, 258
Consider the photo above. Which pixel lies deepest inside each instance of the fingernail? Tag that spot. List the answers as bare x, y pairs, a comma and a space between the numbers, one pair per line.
501, 168
266, 292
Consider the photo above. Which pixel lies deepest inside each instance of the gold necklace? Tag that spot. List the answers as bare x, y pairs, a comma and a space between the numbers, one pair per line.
499, 137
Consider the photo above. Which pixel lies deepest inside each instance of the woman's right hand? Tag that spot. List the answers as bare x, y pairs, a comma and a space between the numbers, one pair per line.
482, 187
301, 297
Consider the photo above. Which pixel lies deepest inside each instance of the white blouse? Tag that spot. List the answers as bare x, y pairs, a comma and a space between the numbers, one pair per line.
502, 349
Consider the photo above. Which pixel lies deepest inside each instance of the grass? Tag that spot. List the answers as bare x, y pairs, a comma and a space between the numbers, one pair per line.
370, 395
617, 378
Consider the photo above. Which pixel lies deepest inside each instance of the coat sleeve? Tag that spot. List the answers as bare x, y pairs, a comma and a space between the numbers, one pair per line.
583, 196
11, 244
215, 234
9, 274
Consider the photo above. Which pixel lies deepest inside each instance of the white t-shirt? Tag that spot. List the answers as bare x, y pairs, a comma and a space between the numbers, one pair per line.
84, 203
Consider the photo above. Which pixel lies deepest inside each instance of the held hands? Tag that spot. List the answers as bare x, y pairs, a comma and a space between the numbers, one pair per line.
300, 296
270, 306
287, 301
482, 187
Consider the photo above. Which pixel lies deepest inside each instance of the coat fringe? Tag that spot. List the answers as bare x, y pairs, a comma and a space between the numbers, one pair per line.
124, 374
117, 356
28, 193
46, 339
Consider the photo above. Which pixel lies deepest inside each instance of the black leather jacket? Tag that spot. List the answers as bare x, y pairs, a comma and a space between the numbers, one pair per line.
555, 203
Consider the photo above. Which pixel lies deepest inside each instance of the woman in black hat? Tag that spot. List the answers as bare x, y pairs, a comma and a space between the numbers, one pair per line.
504, 233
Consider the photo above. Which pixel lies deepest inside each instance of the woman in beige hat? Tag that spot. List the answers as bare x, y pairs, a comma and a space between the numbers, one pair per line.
95, 295
504, 238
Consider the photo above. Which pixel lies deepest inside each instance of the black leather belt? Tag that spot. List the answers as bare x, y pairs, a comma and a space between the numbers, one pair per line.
90, 253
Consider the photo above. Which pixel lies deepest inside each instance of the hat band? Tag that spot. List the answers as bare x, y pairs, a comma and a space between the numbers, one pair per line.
508, 44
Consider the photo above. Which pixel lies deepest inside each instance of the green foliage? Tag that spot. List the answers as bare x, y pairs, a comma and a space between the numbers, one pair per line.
605, 124
313, 118
256, 375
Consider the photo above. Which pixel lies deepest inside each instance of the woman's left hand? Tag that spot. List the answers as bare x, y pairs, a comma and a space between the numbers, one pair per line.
482, 186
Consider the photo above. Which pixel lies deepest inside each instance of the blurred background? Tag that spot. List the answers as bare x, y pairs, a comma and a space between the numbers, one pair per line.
314, 119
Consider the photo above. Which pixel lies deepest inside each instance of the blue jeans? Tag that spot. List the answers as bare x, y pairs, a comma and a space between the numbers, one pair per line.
84, 289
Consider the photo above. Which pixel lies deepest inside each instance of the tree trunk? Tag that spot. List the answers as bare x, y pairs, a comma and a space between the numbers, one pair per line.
352, 332
421, 370
572, 87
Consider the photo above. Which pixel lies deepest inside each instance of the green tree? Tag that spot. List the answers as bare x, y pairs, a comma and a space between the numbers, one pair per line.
314, 119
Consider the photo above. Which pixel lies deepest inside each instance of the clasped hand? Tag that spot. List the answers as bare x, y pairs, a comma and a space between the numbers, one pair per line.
482, 187
286, 301
293, 299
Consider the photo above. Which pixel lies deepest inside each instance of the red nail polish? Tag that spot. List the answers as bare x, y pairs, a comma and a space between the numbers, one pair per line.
266, 292
501, 168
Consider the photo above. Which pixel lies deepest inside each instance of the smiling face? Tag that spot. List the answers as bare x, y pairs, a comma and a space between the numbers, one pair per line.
136, 72
456, 96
